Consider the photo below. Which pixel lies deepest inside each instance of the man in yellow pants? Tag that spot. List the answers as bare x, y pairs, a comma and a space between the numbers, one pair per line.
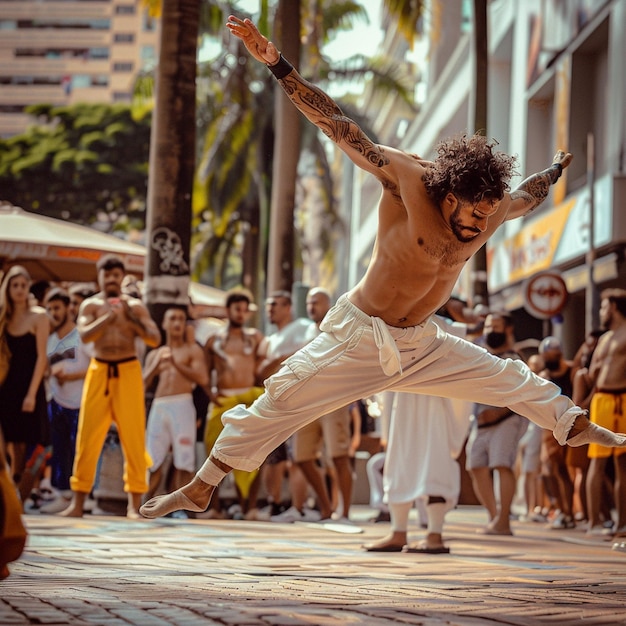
113, 389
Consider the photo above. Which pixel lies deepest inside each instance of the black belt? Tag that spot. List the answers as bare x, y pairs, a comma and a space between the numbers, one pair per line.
112, 371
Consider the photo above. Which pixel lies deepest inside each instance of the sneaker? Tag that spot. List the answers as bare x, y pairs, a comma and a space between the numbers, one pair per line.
264, 514
310, 515
56, 506
562, 522
289, 516
235, 512
90, 505
538, 515
599, 531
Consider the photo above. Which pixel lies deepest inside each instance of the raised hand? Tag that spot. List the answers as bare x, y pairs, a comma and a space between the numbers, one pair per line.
258, 46
562, 158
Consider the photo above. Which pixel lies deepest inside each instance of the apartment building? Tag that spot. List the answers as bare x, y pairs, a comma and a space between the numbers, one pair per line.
65, 52
556, 80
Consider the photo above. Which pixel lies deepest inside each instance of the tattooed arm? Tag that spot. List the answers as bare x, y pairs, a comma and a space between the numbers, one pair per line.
313, 103
534, 190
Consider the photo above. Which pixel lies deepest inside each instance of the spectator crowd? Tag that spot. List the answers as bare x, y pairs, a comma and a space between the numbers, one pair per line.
81, 363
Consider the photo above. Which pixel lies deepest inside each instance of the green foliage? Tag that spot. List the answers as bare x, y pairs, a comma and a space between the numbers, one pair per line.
235, 119
408, 13
78, 162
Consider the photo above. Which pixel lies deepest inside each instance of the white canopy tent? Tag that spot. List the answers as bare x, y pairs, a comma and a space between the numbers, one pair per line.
57, 250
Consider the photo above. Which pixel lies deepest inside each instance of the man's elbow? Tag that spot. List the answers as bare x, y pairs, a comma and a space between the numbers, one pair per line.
152, 341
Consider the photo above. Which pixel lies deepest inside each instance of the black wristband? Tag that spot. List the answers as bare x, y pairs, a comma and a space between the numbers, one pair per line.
559, 169
281, 68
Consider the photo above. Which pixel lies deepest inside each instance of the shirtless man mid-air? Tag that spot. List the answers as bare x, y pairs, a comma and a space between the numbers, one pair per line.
432, 217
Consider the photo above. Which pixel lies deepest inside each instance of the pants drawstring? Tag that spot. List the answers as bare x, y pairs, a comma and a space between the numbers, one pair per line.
112, 369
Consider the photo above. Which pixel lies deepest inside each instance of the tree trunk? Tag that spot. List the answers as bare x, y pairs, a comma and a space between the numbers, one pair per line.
280, 272
172, 160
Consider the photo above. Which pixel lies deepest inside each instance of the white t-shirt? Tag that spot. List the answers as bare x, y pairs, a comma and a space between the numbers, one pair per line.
75, 356
289, 339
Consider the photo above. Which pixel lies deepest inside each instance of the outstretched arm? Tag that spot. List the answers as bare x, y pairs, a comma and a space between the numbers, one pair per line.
534, 190
312, 102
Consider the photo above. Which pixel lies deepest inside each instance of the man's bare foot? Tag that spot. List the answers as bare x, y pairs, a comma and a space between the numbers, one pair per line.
192, 497
427, 547
72, 511
583, 432
391, 543
492, 529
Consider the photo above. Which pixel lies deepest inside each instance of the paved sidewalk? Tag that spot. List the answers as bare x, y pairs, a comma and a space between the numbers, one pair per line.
109, 571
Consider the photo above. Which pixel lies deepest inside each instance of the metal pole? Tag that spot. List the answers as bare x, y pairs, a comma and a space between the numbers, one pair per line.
592, 303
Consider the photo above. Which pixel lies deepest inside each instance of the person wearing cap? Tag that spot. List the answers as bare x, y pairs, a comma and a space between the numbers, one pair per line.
555, 467
432, 217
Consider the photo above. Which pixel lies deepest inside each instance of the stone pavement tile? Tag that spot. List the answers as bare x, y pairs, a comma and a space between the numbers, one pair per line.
111, 571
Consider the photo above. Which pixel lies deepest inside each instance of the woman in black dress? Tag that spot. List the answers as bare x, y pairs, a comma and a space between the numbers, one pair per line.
25, 328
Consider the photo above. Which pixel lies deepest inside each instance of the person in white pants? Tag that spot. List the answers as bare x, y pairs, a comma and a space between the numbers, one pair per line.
433, 216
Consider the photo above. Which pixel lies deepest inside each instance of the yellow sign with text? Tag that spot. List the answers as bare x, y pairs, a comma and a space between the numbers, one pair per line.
533, 248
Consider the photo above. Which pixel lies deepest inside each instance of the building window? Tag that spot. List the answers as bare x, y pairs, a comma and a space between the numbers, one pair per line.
122, 67
122, 96
124, 37
98, 53
125, 9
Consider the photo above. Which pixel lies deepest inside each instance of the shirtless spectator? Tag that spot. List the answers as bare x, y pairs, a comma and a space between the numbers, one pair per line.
607, 375
179, 366
113, 390
432, 217
233, 356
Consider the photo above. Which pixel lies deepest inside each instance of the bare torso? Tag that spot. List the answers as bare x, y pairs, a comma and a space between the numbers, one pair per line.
417, 258
114, 339
171, 381
608, 365
233, 355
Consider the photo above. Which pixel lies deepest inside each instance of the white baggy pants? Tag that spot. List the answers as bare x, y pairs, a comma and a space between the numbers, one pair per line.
357, 356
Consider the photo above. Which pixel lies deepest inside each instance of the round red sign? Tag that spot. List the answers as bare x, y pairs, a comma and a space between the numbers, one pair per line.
545, 294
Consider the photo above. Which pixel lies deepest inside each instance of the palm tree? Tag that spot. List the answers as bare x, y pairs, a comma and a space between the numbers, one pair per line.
172, 159
225, 214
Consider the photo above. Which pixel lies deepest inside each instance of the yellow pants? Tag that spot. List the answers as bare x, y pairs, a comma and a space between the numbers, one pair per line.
113, 392
607, 409
243, 480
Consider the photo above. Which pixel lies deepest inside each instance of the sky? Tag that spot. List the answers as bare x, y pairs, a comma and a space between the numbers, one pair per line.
363, 39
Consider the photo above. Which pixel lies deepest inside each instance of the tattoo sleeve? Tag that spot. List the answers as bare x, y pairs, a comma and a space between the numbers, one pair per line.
322, 110
534, 190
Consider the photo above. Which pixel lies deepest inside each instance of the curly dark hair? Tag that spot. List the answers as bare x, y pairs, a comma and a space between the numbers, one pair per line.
469, 167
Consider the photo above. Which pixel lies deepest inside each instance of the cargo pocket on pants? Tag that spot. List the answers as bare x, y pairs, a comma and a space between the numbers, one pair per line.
305, 364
